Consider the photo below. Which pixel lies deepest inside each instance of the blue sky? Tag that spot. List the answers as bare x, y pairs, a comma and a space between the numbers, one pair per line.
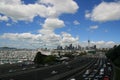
75, 22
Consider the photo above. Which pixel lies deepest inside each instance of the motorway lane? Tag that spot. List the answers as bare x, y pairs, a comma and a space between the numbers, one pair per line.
95, 73
40, 74
4, 69
69, 73
78, 74
92, 67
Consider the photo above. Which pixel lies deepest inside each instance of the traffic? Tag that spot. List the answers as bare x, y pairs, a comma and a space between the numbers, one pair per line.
88, 67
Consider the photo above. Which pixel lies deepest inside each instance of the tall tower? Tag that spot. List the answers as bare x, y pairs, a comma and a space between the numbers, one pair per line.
88, 44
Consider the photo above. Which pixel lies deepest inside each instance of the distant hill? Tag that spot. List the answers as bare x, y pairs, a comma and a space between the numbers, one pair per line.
7, 48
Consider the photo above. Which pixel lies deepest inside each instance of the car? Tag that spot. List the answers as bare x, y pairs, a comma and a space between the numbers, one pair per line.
72, 79
23, 69
101, 73
86, 78
96, 64
54, 72
106, 78
104, 65
69, 67
100, 77
10, 71
84, 75
33, 67
102, 69
46, 65
109, 69
96, 78
66, 63
87, 71
95, 70
11, 79
108, 63
91, 75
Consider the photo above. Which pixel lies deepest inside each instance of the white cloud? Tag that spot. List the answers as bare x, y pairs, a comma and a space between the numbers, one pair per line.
99, 44
49, 9
17, 10
103, 44
21, 11
58, 7
94, 27
50, 25
8, 24
117, 0
16, 36
105, 11
87, 14
49, 40
76, 22
68, 39
12, 2
3, 18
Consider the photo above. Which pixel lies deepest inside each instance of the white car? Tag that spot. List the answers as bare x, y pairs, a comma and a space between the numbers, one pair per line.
87, 71
10, 71
72, 79
54, 72
23, 69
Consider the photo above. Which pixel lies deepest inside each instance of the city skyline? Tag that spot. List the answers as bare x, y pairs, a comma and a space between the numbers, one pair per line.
49, 23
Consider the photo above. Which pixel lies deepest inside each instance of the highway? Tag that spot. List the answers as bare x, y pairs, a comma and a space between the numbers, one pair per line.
74, 69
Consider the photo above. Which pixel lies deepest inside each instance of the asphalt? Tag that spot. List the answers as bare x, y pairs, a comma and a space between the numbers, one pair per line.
63, 71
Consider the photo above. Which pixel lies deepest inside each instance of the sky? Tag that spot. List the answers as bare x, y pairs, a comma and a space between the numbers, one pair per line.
49, 23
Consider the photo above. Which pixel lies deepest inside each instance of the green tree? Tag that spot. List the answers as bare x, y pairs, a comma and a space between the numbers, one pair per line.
114, 55
49, 59
39, 58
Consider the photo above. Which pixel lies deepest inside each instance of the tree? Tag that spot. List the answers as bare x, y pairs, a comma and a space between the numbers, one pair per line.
49, 59
114, 55
43, 59
39, 58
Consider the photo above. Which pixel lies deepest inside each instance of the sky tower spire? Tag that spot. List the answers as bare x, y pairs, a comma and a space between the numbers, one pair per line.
88, 44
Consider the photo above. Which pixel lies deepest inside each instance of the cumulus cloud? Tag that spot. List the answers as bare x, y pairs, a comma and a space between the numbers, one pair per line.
8, 24
3, 18
76, 22
99, 44
94, 27
103, 44
16, 10
49, 40
50, 25
105, 11
68, 39
16, 36
21, 11
58, 7
87, 14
